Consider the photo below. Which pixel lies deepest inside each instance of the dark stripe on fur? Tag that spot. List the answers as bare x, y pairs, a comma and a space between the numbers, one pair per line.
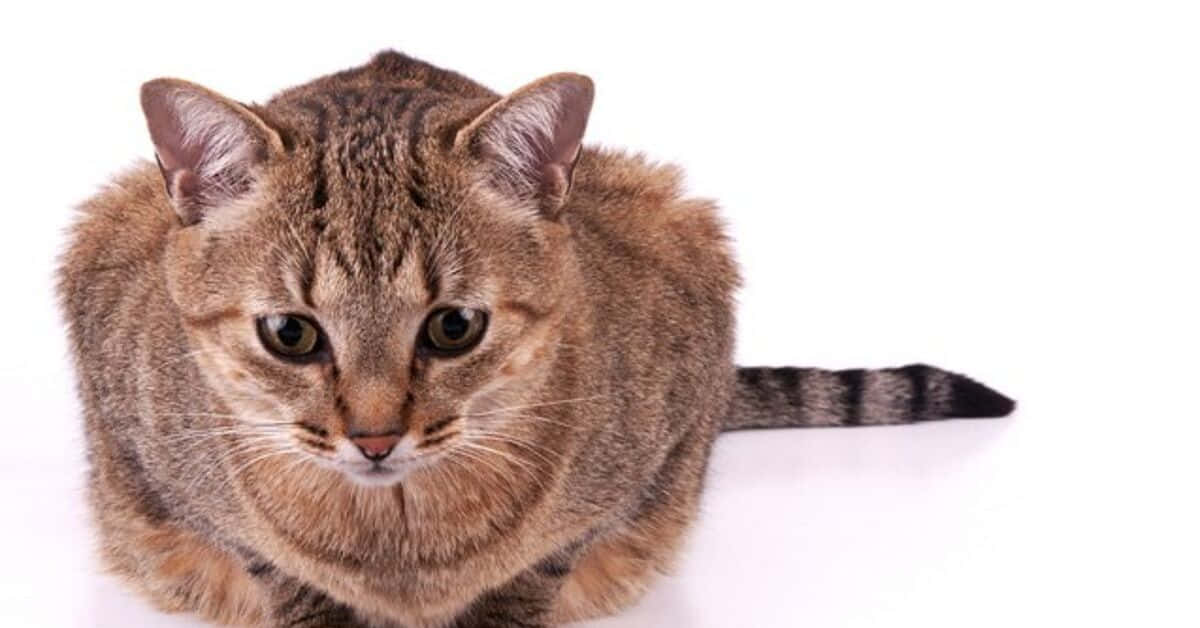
852, 383
435, 440
288, 606
766, 397
916, 403
320, 186
438, 425
260, 568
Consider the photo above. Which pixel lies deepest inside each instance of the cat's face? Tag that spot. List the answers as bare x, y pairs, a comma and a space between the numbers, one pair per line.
373, 292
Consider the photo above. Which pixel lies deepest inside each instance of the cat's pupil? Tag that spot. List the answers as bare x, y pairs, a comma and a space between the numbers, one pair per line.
455, 325
291, 332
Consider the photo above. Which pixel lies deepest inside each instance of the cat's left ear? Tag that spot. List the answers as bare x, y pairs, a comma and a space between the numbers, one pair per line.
208, 146
531, 140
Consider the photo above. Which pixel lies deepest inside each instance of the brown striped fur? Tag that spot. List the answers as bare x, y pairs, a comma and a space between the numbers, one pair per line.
559, 463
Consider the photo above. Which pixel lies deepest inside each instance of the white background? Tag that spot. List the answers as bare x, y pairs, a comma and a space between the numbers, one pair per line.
1008, 189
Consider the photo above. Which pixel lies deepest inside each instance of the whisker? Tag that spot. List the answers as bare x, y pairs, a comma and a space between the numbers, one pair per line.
236, 433
539, 405
506, 483
204, 447
543, 419
533, 447
227, 455
161, 366
283, 473
199, 445
437, 440
503, 455
280, 452
439, 425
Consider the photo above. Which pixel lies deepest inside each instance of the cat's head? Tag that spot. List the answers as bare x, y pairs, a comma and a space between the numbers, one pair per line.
371, 273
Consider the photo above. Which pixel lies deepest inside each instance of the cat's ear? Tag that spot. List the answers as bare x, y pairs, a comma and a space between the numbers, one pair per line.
208, 146
531, 139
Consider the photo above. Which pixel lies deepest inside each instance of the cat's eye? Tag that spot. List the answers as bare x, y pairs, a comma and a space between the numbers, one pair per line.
289, 336
453, 330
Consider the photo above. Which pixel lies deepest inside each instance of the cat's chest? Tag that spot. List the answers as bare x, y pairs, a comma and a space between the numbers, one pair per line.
395, 550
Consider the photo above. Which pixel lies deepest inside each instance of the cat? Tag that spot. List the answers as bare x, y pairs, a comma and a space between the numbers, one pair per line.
394, 350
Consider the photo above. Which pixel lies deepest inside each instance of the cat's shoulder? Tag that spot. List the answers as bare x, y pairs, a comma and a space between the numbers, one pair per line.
642, 207
630, 188
121, 225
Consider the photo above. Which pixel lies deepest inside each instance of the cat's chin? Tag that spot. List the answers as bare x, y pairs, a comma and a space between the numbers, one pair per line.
378, 477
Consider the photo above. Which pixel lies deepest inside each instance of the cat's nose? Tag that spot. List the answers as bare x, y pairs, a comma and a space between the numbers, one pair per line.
376, 448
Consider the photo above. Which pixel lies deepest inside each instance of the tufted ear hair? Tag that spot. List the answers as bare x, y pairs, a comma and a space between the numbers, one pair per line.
207, 146
531, 139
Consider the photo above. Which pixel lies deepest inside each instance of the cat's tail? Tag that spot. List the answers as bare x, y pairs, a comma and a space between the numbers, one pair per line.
766, 397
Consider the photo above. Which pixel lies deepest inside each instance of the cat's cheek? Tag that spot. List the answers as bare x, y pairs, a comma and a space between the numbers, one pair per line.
219, 369
534, 348
496, 395
518, 365
222, 374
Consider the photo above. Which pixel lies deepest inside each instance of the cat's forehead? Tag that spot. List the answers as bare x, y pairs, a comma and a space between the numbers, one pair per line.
371, 145
363, 270
368, 177
376, 190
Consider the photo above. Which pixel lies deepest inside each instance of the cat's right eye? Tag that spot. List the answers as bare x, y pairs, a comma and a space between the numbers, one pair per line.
289, 336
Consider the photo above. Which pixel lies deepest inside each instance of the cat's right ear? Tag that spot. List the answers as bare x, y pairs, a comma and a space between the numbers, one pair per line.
208, 146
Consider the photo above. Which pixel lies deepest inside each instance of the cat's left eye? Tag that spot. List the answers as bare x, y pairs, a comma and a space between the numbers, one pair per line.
454, 330
289, 336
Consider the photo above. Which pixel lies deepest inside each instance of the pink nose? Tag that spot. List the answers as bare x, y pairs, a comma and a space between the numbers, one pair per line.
376, 447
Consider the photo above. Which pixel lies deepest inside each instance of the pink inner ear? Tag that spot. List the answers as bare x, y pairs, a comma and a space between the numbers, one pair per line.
572, 122
205, 147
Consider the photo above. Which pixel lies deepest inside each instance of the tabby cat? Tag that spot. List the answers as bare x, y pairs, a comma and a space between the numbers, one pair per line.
394, 350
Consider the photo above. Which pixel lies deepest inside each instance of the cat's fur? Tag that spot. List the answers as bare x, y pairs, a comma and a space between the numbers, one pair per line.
565, 454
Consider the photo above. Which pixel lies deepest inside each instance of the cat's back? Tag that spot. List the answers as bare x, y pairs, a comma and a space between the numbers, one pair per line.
109, 273
632, 217
660, 278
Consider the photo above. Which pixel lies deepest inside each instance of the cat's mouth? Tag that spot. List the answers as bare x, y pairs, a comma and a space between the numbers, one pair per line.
377, 475
385, 473
383, 460
379, 470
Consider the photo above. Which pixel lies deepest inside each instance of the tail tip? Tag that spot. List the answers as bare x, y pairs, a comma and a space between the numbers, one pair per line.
974, 400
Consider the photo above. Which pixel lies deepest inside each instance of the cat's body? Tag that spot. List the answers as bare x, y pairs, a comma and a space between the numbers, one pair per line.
554, 467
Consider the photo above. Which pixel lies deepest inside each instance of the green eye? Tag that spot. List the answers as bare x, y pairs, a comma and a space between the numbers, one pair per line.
454, 330
289, 336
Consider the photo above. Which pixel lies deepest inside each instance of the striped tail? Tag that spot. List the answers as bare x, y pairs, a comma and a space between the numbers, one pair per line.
766, 397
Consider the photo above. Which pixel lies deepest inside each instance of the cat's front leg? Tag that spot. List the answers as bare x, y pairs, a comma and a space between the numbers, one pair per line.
297, 605
526, 601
